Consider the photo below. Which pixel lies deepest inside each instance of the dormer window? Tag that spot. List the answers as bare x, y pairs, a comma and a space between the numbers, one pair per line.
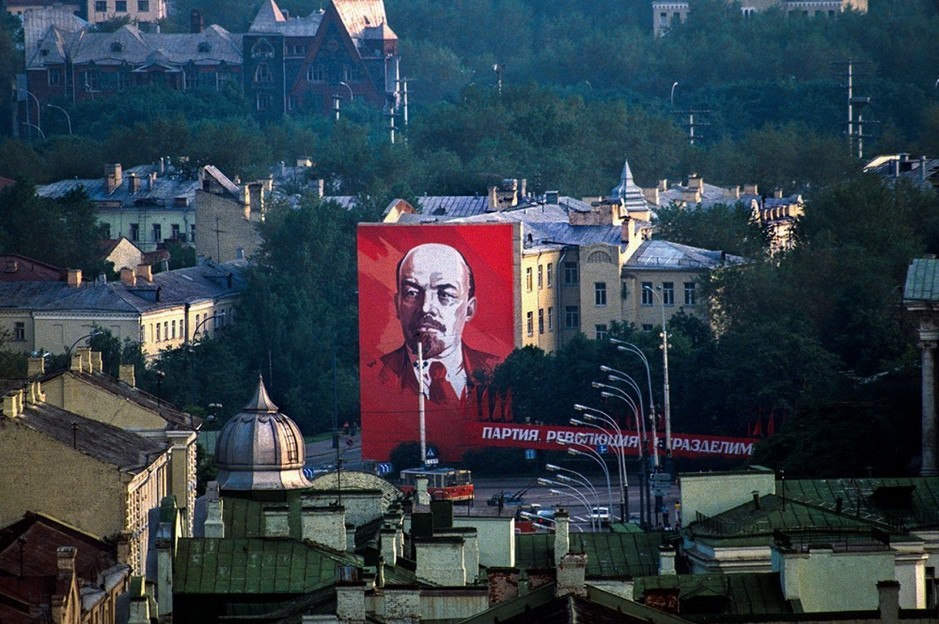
117, 46
205, 46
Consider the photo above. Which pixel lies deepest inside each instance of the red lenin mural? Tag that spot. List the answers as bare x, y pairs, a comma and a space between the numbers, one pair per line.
436, 311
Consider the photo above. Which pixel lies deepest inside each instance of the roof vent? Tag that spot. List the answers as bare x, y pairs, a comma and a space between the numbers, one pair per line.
117, 46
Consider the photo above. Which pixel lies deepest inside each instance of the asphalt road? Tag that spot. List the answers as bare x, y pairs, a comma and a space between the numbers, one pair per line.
576, 500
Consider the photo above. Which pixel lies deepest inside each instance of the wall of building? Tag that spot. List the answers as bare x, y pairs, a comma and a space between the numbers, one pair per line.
121, 219
496, 537
42, 474
440, 560
540, 299
819, 581
648, 315
453, 605
54, 331
228, 230
600, 265
715, 492
10, 320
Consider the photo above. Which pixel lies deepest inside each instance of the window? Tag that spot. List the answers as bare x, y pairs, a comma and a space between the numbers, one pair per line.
263, 73
570, 273
135, 232
540, 320
540, 277
601, 331
157, 332
143, 6
316, 73
530, 323
174, 228
173, 328
120, 6
571, 317
143, 334
647, 294
101, 6
264, 101
351, 73
91, 80
166, 330
190, 79
528, 279
123, 80
157, 233
197, 329
668, 293
54, 75
192, 233
107, 230
19, 331
550, 272
291, 102
599, 293
647, 327
550, 319
690, 298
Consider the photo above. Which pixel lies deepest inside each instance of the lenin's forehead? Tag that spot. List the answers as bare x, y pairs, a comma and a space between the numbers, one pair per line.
433, 261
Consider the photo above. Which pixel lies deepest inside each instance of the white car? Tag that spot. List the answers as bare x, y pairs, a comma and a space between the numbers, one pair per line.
601, 515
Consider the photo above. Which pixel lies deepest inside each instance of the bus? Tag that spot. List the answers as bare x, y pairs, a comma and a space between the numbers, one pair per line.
451, 484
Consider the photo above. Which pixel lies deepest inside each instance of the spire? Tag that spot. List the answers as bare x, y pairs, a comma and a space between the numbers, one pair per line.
627, 191
260, 402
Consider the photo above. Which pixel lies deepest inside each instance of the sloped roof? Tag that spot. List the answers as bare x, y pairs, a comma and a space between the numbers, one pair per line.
127, 451
746, 593
270, 19
17, 268
609, 555
163, 192
360, 15
136, 48
665, 255
922, 280
253, 566
909, 502
207, 281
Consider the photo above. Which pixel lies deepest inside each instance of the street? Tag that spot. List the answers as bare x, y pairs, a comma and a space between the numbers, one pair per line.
321, 455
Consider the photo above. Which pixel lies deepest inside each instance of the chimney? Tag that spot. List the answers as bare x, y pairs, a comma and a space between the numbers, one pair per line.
571, 575
214, 526
11, 404
663, 185
128, 277
65, 561
493, 199
126, 374
112, 177
551, 198
133, 182
144, 272
74, 277
777, 193
97, 363
751, 189
196, 23
888, 598
389, 547
523, 188
503, 584
319, 187
35, 366
922, 168
350, 602
756, 500
695, 182
666, 560
76, 364
11, 266
562, 535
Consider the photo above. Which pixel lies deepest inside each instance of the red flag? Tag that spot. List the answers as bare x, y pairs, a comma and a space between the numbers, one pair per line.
758, 428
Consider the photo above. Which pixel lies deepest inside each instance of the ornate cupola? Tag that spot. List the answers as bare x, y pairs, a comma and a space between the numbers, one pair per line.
260, 449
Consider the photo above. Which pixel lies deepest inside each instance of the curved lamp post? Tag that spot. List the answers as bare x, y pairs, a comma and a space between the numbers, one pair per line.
574, 492
68, 117
591, 413
640, 430
666, 407
95, 331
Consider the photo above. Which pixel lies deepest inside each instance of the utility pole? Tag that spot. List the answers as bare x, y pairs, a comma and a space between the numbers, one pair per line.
856, 104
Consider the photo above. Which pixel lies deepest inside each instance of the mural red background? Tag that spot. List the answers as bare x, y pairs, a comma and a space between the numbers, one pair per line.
391, 417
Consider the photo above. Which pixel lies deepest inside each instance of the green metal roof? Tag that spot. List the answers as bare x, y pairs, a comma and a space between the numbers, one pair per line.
746, 593
609, 555
922, 280
253, 566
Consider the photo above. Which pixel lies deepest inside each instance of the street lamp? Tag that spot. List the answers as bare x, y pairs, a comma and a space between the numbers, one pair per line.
68, 117
591, 413
666, 408
595, 457
351, 95
576, 493
640, 431
95, 331
42, 134
38, 125
628, 347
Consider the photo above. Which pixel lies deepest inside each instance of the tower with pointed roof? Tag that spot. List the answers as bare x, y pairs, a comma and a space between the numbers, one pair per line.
260, 449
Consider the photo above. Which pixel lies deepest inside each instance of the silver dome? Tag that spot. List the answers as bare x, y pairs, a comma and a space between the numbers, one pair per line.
260, 449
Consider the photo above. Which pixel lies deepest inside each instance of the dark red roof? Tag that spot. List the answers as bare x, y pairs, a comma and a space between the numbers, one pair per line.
17, 268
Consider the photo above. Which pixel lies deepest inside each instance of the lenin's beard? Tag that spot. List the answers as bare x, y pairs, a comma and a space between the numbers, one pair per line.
430, 334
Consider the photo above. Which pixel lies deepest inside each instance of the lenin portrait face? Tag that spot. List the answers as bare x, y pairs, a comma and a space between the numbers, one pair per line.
435, 299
